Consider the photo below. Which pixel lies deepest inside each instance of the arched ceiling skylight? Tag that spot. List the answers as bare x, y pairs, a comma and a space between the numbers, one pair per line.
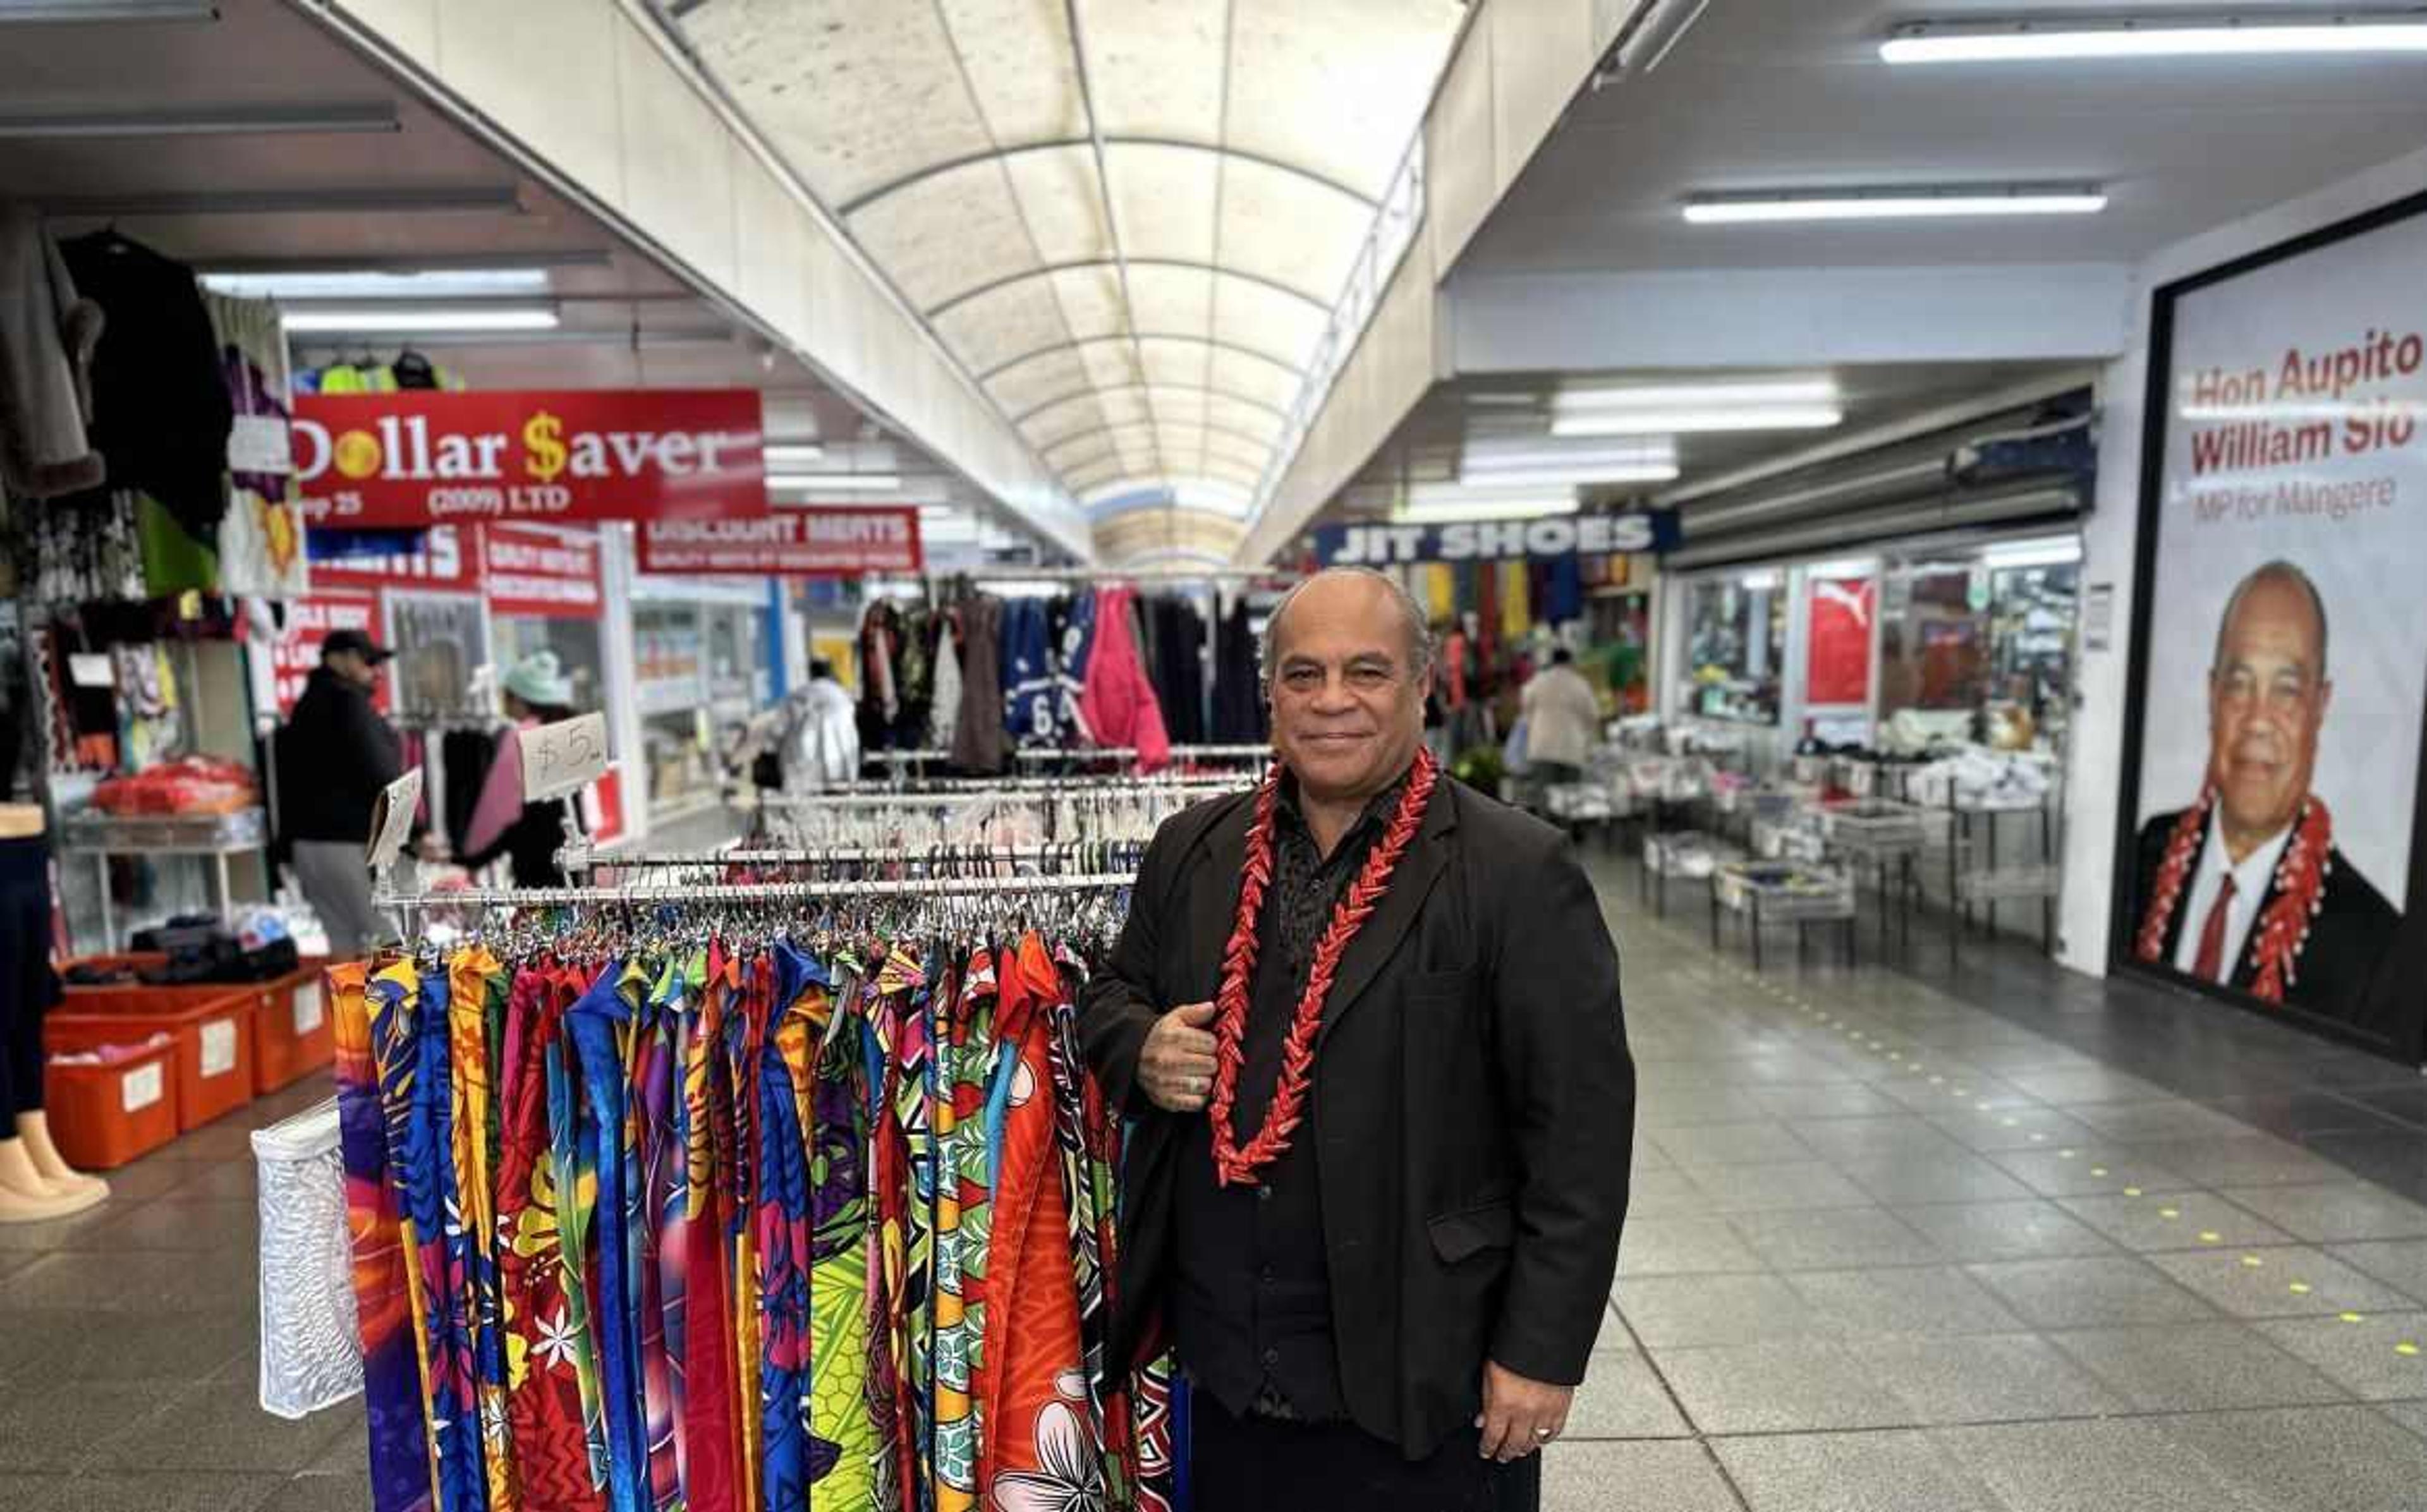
1130, 219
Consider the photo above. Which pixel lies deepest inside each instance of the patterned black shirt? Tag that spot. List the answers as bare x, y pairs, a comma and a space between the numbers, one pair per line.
1306, 883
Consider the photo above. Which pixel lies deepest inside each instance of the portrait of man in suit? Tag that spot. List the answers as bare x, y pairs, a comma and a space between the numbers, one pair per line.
2245, 887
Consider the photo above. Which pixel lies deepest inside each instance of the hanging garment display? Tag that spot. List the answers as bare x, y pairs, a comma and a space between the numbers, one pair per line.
261, 542
1240, 716
161, 409
811, 1214
1031, 700
1117, 705
48, 333
980, 741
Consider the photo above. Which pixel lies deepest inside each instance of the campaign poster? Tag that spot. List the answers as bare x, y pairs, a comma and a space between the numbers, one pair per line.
2282, 648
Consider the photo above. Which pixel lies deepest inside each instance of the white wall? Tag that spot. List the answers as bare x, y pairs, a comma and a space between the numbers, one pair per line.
2094, 787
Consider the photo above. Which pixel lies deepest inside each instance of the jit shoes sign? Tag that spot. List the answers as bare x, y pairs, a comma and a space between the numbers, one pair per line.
406, 461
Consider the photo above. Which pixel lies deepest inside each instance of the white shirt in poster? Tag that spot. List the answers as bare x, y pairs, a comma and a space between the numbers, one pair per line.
2251, 880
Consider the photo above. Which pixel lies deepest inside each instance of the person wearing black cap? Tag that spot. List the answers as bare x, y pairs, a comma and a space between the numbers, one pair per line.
334, 756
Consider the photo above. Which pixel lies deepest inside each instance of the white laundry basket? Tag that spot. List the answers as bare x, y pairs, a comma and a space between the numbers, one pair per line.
311, 1340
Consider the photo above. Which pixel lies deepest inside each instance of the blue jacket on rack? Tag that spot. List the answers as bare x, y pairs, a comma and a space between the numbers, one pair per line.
1032, 700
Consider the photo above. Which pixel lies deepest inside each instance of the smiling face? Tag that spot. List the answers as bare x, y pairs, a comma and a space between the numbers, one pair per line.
2268, 695
1348, 699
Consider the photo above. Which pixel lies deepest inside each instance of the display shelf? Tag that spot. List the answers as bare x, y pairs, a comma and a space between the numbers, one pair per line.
212, 837
1782, 892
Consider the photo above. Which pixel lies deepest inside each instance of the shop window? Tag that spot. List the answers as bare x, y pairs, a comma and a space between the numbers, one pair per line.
1736, 647
1978, 645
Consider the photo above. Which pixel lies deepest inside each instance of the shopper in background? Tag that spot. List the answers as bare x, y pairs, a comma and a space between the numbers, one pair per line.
1378, 1180
821, 747
527, 834
1562, 717
336, 755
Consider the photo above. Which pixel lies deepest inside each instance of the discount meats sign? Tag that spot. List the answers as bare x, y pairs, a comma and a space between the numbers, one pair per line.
423, 458
838, 542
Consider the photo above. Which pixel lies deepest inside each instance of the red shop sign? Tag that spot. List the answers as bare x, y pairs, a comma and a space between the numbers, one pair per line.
817, 542
426, 457
309, 621
444, 560
536, 570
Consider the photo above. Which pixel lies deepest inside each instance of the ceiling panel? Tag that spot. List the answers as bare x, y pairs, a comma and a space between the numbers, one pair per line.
1290, 228
1073, 418
998, 325
1039, 379
1090, 298
1110, 363
1018, 59
827, 81
947, 234
1064, 201
1247, 419
1175, 362
1173, 301
1268, 320
1147, 64
1239, 372
1337, 88
1185, 405
1163, 200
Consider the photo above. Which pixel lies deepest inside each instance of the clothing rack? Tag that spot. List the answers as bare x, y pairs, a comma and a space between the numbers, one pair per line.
1124, 753
1139, 577
968, 789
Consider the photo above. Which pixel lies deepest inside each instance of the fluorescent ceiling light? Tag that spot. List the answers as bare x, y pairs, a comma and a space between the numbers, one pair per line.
1697, 396
83, 12
1443, 511
2060, 551
323, 119
445, 283
1574, 476
1844, 567
1654, 422
835, 482
2253, 34
1761, 580
792, 453
413, 320
1897, 203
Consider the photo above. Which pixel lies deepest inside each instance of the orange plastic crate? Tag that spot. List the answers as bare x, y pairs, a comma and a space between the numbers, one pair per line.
103, 1116
291, 1034
213, 1026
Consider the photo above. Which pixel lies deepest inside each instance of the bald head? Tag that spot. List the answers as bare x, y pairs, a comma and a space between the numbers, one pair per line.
1356, 588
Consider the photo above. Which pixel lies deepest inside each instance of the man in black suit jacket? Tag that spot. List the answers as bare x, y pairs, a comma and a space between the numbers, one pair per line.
1388, 1301
2246, 888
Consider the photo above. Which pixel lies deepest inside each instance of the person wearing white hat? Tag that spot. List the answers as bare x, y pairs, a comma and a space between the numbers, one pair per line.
527, 834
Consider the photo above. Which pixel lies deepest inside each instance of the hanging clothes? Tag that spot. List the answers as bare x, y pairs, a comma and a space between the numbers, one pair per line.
1118, 706
48, 335
161, 409
1515, 601
1240, 716
1031, 698
944, 709
980, 741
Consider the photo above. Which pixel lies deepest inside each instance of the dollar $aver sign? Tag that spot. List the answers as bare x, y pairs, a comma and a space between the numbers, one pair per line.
543, 451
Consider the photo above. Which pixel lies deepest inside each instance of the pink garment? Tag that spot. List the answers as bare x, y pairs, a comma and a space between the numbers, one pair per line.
1118, 702
501, 793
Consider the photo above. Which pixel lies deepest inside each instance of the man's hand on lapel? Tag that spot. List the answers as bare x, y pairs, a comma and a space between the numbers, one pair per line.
1176, 1066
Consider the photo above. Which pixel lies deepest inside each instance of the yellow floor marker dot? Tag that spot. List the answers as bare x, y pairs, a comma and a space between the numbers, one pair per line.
1937, 1080
2170, 1212
2299, 1289
2068, 1154
2037, 1137
2253, 1262
2098, 1170
2010, 1123
2353, 1317
2405, 1347
2209, 1236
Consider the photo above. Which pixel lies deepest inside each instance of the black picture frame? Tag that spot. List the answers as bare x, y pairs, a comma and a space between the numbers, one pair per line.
2406, 961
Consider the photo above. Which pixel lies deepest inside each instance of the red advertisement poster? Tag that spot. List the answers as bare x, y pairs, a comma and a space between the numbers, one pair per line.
308, 622
1841, 641
536, 570
819, 543
404, 461
446, 558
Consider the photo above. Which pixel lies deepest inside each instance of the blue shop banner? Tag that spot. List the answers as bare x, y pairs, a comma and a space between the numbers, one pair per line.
1389, 543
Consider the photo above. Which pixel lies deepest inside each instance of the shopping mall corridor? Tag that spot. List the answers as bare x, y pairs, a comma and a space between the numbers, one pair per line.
2001, 1241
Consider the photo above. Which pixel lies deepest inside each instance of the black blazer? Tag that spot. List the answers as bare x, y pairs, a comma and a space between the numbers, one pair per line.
1473, 1110
2348, 937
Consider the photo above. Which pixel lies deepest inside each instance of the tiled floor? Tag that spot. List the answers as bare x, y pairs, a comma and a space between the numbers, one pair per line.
2008, 1242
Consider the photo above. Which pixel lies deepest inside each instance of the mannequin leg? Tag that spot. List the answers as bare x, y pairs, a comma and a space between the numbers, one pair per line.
34, 1129
24, 1198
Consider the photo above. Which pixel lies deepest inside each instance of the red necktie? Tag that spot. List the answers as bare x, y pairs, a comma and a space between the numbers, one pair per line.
2209, 967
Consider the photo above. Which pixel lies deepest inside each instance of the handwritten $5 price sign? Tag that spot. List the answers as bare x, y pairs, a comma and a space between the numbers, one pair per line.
562, 759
